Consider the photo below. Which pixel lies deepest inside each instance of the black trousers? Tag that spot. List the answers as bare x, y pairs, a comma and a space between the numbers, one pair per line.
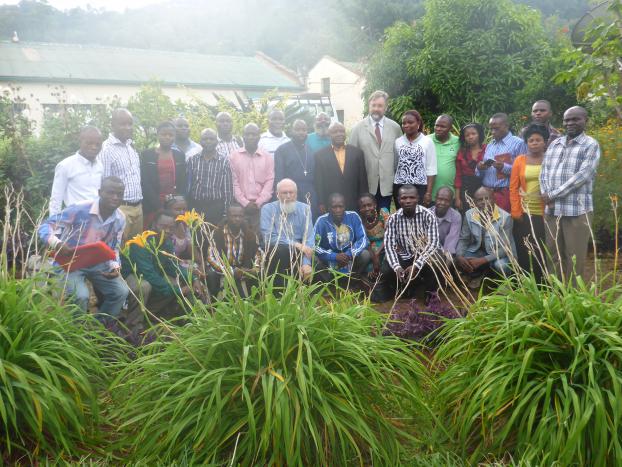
388, 279
523, 236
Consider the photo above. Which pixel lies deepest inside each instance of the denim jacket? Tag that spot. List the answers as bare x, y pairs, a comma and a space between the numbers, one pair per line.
496, 244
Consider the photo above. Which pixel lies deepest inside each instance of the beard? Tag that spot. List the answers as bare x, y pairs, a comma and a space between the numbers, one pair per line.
288, 206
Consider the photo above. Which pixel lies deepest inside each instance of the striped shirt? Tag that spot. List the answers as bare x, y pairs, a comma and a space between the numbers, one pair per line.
511, 145
210, 179
415, 237
227, 147
121, 160
567, 176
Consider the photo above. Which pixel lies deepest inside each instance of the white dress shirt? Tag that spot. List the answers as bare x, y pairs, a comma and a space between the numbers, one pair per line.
75, 179
269, 143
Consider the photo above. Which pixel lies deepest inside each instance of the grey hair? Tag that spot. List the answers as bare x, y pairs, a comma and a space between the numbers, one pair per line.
284, 181
377, 95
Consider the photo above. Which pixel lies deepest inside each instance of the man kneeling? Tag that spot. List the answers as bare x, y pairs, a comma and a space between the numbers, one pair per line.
486, 240
341, 242
410, 241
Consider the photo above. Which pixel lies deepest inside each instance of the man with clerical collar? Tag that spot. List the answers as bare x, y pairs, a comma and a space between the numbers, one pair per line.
294, 160
275, 136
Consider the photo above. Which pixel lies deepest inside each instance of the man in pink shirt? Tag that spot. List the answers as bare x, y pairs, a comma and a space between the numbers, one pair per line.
253, 175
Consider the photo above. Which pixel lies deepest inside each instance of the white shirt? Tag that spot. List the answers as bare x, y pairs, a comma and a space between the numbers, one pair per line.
75, 179
269, 143
380, 124
415, 161
193, 149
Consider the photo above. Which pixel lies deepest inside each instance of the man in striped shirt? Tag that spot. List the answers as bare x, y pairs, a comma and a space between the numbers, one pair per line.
410, 241
496, 167
210, 187
120, 159
566, 183
227, 141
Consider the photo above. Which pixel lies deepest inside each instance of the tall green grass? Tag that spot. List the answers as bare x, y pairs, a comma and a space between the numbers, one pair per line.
295, 380
50, 371
536, 373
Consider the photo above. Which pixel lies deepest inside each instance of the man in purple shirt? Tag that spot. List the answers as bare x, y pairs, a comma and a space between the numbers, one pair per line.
253, 175
449, 221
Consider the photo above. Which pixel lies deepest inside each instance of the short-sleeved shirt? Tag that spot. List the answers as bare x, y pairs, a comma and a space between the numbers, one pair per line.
446, 154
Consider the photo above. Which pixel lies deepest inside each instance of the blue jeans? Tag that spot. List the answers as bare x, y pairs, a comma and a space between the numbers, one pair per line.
112, 291
501, 265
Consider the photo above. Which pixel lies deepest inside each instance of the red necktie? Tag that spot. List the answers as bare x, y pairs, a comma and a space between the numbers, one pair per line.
378, 134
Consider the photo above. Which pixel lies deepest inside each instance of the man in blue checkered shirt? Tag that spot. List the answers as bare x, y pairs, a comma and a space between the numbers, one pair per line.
566, 183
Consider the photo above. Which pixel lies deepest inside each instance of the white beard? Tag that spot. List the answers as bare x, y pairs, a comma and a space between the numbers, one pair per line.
288, 207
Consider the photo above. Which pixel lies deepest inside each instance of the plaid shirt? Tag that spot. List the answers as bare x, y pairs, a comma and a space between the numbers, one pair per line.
121, 160
411, 237
233, 252
567, 175
210, 180
510, 144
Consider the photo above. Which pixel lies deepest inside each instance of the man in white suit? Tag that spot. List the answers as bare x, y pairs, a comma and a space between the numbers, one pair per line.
375, 135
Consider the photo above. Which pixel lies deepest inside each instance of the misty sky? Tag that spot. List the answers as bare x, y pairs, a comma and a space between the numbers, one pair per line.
118, 5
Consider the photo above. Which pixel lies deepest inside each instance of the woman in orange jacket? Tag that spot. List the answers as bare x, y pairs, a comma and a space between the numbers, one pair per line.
526, 201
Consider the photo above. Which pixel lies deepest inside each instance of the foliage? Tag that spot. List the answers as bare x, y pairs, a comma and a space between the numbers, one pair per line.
294, 380
467, 57
50, 368
537, 372
596, 69
607, 186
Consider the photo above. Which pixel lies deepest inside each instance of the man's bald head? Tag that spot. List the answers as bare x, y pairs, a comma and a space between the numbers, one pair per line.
251, 137
224, 125
90, 142
575, 121
122, 124
337, 133
276, 122
299, 132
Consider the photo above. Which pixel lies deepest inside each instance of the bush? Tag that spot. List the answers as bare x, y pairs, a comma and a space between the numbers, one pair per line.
293, 380
537, 374
50, 369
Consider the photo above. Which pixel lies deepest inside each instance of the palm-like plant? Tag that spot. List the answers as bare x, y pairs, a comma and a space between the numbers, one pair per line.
295, 380
537, 372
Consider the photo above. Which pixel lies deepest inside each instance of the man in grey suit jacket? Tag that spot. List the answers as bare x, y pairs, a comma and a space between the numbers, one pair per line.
375, 135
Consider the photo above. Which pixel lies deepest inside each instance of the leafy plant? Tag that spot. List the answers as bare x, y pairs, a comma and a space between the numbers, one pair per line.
50, 369
537, 373
294, 380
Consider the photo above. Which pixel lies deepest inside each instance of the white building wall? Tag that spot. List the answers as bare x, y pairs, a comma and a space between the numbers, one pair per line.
346, 88
38, 95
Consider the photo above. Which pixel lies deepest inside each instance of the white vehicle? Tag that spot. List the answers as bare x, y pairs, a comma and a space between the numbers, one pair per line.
309, 103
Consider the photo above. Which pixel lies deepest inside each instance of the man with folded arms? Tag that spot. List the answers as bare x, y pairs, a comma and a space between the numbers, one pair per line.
85, 223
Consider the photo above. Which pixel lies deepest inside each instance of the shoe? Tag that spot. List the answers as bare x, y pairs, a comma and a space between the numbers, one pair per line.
379, 295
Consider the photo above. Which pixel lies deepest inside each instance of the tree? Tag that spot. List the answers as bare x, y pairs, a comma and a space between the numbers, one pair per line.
596, 68
469, 58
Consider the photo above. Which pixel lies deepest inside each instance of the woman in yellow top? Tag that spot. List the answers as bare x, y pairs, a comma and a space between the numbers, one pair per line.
526, 201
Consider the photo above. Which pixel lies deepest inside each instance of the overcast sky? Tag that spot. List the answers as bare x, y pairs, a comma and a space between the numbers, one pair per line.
118, 5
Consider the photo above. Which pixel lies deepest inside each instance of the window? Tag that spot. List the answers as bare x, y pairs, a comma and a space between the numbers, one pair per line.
340, 115
326, 86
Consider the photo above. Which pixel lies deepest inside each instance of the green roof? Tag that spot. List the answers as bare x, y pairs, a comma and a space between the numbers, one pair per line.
46, 62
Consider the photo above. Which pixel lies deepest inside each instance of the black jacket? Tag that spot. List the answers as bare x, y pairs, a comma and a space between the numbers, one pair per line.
329, 179
150, 179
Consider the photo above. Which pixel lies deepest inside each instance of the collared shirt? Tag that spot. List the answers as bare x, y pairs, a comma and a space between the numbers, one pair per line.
210, 179
81, 224
493, 236
121, 160
278, 228
449, 229
253, 176
75, 179
227, 147
317, 142
567, 176
511, 146
446, 153
193, 149
379, 123
233, 252
415, 160
340, 154
269, 142
411, 237
554, 133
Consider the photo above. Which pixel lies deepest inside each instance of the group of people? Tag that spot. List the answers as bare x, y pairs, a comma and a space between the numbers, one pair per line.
319, 204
